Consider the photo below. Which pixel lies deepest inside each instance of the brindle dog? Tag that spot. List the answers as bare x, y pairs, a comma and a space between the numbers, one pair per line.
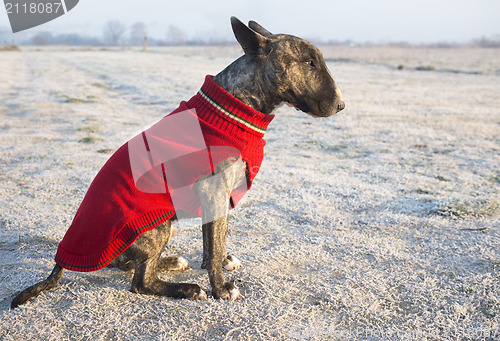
275, 69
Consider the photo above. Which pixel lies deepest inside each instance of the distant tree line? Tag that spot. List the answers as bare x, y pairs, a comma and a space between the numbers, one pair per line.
116, 33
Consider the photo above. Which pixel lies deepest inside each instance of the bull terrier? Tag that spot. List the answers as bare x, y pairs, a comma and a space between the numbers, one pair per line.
197, 161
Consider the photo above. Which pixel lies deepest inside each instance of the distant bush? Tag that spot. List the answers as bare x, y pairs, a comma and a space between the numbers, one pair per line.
9, 47
488, 42
425, 68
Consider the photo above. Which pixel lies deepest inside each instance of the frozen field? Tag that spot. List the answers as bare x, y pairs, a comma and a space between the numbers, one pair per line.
380, 223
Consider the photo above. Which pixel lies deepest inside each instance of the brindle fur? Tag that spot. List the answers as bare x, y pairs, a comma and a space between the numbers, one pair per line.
274, 69
280, 68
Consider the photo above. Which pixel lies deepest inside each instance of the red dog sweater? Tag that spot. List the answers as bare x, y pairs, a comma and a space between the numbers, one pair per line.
150, 178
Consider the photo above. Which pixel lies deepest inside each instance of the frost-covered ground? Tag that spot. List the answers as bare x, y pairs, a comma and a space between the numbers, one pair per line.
381, 223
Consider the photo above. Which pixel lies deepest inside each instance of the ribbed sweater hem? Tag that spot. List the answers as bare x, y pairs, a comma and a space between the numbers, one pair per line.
127, 235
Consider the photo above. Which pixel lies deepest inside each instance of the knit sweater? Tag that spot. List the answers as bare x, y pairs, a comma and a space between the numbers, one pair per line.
150, 178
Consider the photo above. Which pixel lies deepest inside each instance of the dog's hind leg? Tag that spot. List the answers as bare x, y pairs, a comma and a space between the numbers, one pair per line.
172, 263
51, 282
145, 252
122, 262
126, 262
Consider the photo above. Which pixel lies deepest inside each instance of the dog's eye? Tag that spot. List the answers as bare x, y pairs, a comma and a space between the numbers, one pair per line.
310, 62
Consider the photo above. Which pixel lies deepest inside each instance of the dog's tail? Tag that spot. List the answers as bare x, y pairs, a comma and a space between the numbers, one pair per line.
51, 282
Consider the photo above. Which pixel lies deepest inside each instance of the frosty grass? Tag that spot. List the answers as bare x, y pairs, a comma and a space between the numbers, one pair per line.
380, 223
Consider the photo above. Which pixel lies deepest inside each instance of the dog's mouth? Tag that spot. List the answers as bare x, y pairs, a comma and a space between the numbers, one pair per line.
292, 106
326, 109
315, 114
302, 107
309, 111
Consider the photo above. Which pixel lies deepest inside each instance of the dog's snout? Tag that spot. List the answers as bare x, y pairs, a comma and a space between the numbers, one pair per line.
339, 103
340, 106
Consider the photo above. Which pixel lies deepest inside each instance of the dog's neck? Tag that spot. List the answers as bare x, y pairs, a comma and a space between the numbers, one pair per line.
244, 80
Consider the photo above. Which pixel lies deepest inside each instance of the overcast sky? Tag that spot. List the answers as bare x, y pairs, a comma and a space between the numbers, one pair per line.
413, 21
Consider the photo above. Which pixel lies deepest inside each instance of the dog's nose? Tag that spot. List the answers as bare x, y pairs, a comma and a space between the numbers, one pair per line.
340, 106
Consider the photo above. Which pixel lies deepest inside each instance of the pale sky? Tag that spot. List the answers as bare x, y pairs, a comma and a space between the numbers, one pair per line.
415, 21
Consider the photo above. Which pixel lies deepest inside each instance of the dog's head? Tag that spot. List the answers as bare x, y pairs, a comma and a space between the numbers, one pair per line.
294, 66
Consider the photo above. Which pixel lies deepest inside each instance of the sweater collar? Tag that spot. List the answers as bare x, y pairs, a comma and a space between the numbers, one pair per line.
228, 109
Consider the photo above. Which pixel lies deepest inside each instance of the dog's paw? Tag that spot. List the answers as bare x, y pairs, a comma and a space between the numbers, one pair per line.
202, 295
228, 292
233, 263
234, 294
190, 291
173, 263
182, 263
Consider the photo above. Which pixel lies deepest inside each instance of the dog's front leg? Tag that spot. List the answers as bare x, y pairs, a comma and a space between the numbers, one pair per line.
229, 262
214, 236
214, 192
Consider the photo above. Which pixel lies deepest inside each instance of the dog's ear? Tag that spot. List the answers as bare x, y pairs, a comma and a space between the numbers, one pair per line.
253, 43
259, 29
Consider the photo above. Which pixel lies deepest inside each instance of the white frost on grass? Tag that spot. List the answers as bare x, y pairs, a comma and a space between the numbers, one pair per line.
380, 223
